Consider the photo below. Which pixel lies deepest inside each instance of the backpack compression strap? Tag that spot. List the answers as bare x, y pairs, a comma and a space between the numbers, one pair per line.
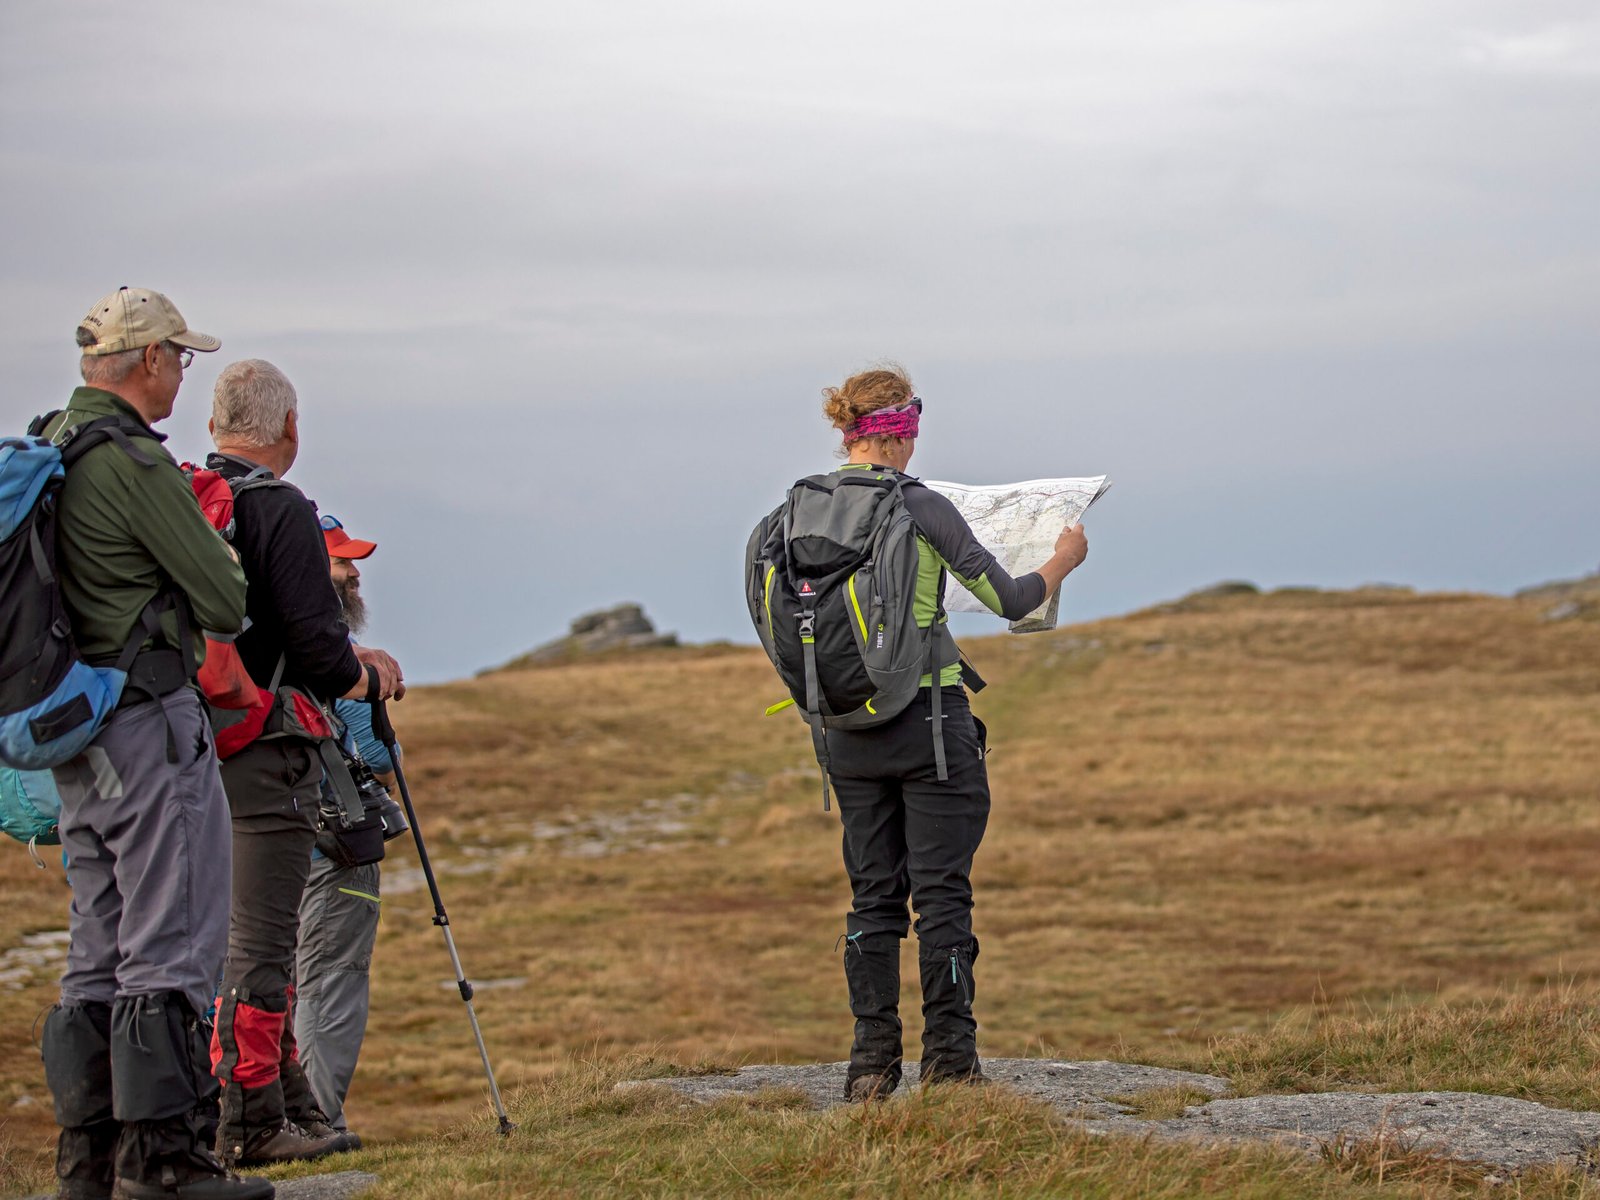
808, 650
819, 738
935, 669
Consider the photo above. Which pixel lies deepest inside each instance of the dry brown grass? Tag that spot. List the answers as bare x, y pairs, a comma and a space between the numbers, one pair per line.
1207, 821
1162, 1103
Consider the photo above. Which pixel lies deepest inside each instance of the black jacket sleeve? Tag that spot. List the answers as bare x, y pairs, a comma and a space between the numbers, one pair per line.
291, 602
972, 566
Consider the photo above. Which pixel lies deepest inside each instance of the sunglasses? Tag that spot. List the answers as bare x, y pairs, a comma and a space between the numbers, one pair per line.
329, 524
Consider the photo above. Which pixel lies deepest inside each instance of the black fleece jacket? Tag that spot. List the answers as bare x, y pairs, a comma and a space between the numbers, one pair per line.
290, 602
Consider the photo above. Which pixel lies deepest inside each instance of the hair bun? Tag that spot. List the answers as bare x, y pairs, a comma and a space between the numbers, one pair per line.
885, 386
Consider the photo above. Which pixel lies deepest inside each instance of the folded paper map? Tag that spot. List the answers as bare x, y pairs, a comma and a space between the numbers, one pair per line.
1019, 523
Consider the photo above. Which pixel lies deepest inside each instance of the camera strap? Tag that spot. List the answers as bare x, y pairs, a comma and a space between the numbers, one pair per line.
343, 783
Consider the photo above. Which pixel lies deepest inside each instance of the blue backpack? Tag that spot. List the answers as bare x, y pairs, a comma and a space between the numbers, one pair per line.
30, 808
52, 703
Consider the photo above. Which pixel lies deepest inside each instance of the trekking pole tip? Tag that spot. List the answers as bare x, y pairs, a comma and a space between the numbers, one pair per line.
506, 1126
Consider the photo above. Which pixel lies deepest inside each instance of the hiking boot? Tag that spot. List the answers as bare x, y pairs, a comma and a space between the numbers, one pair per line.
973, 1078
872, 972
949, 1034
195, 1185
77, 1064
287, 1143
865, 1089
164, 1160
255, 1129
300, 1106
318, 1128
84, 1161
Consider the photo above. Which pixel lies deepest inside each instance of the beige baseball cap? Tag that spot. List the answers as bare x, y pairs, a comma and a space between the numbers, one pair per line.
131, 318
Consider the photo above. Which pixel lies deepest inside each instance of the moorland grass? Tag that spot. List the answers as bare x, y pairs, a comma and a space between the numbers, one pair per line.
578, 1136
1295, 839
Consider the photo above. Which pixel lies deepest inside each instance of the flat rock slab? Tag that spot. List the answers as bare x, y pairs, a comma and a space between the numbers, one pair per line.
1496, 1131
339, 1185
1080, 1089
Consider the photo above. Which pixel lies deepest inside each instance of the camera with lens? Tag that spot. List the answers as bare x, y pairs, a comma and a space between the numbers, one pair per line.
356, 845
375, 797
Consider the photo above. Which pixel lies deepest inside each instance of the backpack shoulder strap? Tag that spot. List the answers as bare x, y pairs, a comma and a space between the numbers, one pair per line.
938, 632
80, 439
261, 477
258, 477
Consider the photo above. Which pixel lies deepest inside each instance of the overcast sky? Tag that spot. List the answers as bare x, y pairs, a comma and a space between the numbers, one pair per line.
1318, 284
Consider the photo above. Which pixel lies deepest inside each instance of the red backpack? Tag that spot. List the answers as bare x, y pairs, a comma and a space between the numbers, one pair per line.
239, 707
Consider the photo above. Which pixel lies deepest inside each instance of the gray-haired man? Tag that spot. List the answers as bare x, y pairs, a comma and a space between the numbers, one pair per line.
298, 636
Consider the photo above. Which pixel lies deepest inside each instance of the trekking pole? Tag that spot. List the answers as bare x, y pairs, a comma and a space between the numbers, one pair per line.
384, 732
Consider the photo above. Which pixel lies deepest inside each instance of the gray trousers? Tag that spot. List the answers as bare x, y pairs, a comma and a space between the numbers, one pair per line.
148, 845
338, 926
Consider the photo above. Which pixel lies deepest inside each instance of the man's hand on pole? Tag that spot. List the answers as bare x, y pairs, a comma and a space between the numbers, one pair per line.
391, 682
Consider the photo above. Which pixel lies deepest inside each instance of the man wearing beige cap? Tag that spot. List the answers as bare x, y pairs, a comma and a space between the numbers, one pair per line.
144, 821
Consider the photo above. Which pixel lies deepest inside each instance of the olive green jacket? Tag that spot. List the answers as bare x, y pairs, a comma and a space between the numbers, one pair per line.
125, 530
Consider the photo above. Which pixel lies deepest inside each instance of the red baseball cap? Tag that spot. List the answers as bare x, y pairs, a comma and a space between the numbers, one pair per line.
340, 544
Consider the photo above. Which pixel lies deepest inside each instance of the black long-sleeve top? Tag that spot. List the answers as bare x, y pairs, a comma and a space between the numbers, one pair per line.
290, 602
972, 566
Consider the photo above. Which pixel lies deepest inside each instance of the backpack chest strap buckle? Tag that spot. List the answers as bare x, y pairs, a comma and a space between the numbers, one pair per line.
808, 624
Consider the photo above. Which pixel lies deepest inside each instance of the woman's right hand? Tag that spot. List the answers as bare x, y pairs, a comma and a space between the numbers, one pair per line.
1073, 545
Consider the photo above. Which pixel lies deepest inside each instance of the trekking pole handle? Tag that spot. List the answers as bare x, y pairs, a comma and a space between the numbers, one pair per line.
382, 729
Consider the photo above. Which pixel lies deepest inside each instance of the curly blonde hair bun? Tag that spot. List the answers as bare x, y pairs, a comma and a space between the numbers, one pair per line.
886, 386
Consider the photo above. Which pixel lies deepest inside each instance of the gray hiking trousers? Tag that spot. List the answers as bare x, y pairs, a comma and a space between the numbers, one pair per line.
149, 857
338, 926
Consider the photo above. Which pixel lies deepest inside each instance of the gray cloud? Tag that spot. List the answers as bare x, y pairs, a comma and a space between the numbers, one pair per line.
559, 284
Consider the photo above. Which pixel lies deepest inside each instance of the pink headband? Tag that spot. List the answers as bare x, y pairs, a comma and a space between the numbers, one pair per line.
899, 422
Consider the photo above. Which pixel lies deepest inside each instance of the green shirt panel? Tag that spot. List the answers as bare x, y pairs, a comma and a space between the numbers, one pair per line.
928, 599
123, 529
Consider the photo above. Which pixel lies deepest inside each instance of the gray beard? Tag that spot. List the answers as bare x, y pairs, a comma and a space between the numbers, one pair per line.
353, 605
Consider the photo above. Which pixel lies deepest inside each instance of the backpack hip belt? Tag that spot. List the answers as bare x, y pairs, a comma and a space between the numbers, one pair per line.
155, 673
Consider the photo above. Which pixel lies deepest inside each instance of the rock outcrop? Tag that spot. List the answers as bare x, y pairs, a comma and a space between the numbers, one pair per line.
1566, 599
621, 628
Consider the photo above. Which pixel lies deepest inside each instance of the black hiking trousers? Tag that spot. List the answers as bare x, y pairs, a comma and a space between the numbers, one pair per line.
273, 788
909, 837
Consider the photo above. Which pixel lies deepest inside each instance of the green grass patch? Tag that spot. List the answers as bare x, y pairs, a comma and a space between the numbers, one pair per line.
1542, 1046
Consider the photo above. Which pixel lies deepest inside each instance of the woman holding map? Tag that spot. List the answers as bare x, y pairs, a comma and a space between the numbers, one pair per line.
913, 806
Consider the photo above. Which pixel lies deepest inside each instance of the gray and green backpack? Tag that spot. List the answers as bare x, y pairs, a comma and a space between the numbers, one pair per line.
831, 580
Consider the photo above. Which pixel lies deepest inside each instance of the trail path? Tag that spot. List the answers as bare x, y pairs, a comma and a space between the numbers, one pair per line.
1497, 1131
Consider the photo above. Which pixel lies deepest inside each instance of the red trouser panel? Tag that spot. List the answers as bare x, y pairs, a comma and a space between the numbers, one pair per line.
246, 1044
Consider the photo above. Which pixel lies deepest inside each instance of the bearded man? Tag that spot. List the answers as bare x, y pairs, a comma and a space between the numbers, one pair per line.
339, 910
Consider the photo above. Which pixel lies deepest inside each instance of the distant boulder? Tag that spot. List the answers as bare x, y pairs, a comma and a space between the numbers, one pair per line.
611, 630
1561, 589
1228, 587
1566, 599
